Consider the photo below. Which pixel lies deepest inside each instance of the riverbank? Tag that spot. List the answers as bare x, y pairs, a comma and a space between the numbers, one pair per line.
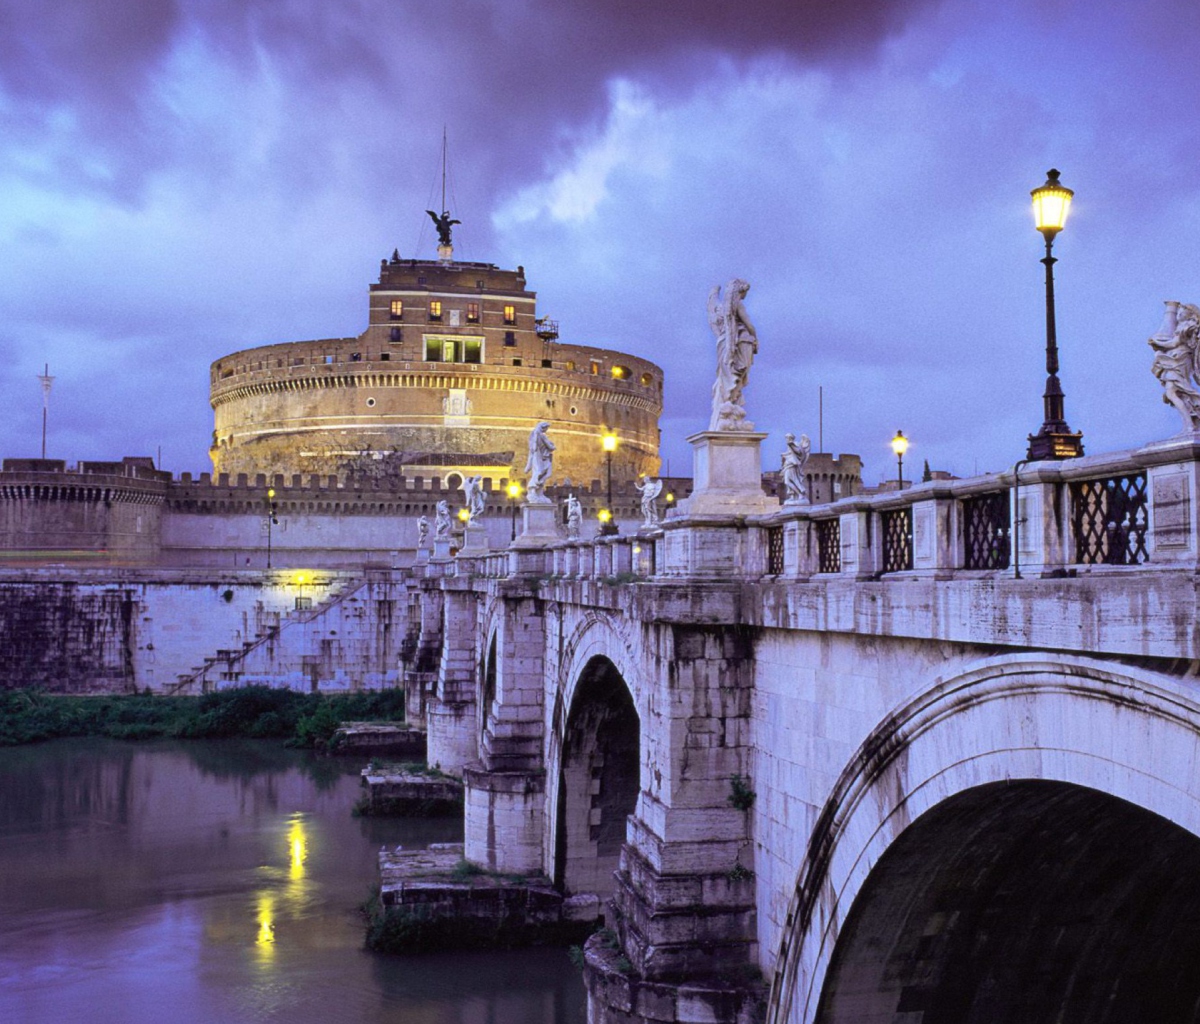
306, 720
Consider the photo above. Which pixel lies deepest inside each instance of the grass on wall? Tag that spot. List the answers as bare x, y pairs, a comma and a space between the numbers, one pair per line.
259, 712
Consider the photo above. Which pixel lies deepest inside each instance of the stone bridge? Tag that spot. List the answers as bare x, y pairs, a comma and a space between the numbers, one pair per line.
923, 757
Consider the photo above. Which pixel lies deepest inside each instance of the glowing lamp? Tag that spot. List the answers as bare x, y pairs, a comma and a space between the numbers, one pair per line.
463, 514
1051, 203
514, 490
604, 515
899, 444
609, 442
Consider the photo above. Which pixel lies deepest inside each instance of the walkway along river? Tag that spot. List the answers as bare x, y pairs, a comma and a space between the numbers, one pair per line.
217, 882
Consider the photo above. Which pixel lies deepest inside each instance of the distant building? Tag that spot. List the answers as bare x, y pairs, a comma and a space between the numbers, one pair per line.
454, 370
827, 478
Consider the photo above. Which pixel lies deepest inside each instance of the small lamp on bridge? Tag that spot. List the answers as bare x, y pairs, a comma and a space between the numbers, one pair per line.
1055, 440
608, 525
900, 446
514, 492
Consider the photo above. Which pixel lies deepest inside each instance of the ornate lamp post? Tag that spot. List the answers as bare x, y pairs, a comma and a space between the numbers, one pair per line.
514, 492
270, 520
608, 524
1055, 440
900, 446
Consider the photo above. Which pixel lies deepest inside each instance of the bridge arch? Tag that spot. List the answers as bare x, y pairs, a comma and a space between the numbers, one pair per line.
594, 757
981, 838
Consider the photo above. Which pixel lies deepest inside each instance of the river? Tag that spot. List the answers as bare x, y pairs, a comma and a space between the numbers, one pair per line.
218, 883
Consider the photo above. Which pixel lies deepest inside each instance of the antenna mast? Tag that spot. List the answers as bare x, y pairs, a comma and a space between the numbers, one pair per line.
443, 168
47, 381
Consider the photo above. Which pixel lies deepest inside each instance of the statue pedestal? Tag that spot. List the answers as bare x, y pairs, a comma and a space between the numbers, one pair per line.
422, 556
539, 526
727, 470
441, 549
475, 541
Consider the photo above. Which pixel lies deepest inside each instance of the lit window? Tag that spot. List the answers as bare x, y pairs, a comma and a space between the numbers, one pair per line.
397, 309
454, 350
647, 380
595, 367
620, 372
472, 312
569, 364
435, 310
510, 314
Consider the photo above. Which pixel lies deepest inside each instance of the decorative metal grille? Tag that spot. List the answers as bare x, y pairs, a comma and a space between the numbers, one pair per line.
775, 551
829, 545
1110, 520
897, 540
987, 531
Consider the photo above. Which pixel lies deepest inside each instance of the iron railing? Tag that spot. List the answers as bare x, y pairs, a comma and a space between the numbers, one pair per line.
987, 531
775, 551
897, 539
829, 545
1110, 519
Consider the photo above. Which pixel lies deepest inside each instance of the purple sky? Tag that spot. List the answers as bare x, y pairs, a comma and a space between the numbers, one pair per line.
183, 178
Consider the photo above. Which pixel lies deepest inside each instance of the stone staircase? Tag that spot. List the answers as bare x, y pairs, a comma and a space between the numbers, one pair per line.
225, 666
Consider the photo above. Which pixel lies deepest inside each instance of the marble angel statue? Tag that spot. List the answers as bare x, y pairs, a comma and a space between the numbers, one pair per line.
473, 497
539, 465
441, 523
794, 460
650, 490
737, 343
574, 517
1177, 359
422, 531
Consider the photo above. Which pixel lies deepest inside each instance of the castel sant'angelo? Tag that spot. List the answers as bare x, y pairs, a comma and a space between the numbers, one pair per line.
453, 371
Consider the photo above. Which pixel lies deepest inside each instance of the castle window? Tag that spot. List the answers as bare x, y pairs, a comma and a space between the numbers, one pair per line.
647, 380
395, 334
370, 403
472, 312
397, 309
510, 314
435, 310
595, 367
384, 357
356, 357
329, 359
453, 350
547, 364
510, 338
569, 364
620, 372
516, 362
421, 279
479, 283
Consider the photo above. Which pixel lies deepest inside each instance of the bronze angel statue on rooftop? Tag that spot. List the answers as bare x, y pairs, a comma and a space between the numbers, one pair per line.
1176, 348
443, 225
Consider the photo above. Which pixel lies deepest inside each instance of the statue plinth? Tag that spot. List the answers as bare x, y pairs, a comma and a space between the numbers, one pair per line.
539, 525
475, 541
727, 472
446, 253
441, 549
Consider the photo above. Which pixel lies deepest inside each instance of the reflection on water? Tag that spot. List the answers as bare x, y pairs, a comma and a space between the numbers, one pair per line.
219, 882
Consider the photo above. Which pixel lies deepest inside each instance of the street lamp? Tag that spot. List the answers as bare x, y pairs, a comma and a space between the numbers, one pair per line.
608, 524
1055, 440
270, 520
900, 446
514, 492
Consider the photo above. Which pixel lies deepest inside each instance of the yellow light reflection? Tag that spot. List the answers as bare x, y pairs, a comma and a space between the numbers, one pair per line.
265, 940
298, 845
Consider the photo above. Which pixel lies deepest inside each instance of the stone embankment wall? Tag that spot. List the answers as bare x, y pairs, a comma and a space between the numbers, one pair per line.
103, 631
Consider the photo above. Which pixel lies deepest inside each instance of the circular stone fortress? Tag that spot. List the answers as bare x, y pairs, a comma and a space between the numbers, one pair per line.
454, 370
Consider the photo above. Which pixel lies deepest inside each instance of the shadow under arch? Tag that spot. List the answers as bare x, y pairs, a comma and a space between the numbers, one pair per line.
1029, 902
599, 780
1082, 739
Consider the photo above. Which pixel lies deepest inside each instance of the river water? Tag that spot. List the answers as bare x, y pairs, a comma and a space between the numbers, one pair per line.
218, 883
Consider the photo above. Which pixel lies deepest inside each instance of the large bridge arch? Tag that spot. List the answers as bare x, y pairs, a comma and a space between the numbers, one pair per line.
1007, 773
594, 756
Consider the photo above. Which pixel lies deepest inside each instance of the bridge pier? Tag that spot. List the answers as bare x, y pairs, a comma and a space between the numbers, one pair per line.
450, 713
684, 899
505, 817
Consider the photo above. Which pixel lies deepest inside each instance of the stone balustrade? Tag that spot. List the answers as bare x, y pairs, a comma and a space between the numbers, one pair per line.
1130, 509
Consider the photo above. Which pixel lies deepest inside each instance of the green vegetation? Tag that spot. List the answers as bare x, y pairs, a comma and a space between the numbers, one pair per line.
741, 795
259, 712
